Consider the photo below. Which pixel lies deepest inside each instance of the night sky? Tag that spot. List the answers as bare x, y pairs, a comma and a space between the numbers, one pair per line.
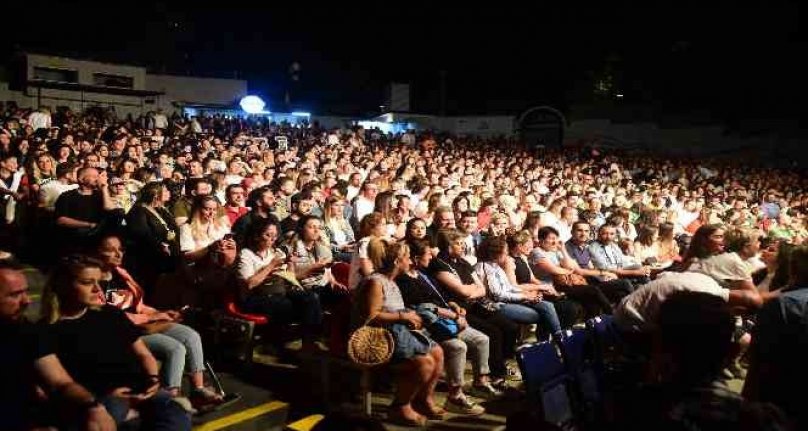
731, 63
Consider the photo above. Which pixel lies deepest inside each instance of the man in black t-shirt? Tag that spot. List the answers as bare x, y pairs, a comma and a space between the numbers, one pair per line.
262, 202
84, 212
27, 358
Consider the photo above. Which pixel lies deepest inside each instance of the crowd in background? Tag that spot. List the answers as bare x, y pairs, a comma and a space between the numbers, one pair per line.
476, 241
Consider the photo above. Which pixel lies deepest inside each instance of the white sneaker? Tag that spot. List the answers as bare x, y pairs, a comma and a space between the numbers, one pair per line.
463, 406
486, 391
185, 403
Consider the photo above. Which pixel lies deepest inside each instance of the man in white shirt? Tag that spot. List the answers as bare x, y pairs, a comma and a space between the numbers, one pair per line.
467, 226
50, 191
686, 215
569, 215
366, 201
638, 311
40, 119
235, 169
160, 120
354, 184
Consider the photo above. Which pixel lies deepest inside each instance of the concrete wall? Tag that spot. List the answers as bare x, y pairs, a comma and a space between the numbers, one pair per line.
86, 69
190, 90
481, 125
34, 97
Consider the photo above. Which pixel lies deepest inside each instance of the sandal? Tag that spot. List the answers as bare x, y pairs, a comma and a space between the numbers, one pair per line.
431, 413
397, 418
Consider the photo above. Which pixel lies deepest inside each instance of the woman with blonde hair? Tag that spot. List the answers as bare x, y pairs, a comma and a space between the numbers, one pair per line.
205, 234
339, 232
417, 360
101, 348
384, 205
499, 226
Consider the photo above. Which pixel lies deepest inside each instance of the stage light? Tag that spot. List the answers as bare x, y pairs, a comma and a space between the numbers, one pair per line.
252, 105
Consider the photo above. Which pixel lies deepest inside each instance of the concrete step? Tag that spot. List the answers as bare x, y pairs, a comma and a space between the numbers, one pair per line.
256, 410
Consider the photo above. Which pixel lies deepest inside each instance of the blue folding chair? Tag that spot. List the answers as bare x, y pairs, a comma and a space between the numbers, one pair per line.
577, 350
547, 383
606, 340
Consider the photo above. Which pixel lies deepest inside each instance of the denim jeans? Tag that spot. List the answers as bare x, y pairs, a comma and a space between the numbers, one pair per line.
179, 347
542, 313
158, 413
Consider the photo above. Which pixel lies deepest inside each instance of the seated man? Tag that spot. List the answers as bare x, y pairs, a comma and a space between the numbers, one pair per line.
27, 359
577, 249
184, 205
234, 207
608, 257
262, 202
84, 212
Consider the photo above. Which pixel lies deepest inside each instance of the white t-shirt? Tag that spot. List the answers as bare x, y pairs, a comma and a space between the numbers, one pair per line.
684, 218
230, 179
249, 262
51, 191
333, 139
39, 120
352, 193
188, 243
363, 207
639, 310
355, 277
723, 268
160, 121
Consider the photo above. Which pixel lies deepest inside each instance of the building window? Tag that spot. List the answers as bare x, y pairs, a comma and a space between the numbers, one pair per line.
107, 80
56, 75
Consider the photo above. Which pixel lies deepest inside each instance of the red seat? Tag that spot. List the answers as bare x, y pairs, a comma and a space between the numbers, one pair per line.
233, 311
341, 272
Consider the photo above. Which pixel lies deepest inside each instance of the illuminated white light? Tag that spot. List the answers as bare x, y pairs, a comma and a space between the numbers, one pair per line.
252, 104
301, 114
619, 96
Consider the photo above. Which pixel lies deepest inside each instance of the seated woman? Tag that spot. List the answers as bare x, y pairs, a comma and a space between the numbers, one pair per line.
310, 257
549, 262
666, 244
458, 283
205, 234
732, 268
371, 226
418, 360
209, 248
102, 350
646, 247
521, 273
339, 231
174, 343
266, 287
416, 230
520, 305
421, 293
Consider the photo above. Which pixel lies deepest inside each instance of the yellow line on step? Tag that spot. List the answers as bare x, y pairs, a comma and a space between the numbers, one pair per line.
305, 424
241, 416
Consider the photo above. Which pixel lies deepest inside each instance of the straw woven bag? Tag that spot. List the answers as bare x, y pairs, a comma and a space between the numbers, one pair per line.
370, 346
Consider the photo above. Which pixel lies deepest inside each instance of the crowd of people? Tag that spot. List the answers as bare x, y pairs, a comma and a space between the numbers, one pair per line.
454, 244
